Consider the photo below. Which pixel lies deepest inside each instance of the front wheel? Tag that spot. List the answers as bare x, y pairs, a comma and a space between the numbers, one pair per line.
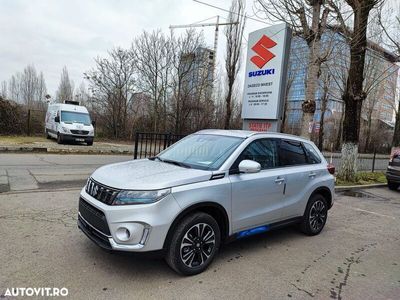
194, 244
393, 186
59, 139
315, 215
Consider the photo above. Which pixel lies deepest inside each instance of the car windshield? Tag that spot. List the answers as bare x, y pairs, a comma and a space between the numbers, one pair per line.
75, 117
201, 151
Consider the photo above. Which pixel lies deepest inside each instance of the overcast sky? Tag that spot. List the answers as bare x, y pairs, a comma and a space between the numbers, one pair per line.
54, 33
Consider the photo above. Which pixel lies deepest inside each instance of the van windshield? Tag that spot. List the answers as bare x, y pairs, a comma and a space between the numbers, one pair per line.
75, 117
201, 151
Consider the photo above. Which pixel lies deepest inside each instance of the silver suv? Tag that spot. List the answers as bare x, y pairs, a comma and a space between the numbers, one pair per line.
211, 187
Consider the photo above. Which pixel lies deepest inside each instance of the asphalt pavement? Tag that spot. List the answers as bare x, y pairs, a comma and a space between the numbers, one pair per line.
30, 171
355, 257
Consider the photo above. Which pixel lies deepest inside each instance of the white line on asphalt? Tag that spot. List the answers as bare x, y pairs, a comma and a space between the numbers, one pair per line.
367, 211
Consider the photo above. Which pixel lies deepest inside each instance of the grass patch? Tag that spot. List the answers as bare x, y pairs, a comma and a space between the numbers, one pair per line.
20, 140
363, 178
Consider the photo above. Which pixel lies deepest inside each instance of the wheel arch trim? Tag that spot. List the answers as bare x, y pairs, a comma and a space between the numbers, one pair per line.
205, 207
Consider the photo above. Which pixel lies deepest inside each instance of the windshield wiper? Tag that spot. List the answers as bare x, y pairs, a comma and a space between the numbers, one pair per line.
169, 161
174, 162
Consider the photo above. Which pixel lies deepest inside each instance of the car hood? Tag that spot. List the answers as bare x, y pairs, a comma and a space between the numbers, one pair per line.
145, 174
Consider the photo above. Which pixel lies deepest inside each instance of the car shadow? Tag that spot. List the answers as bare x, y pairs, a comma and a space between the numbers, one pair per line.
129, 265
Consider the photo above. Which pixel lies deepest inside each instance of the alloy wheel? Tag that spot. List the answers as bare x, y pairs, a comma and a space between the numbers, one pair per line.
197, 245
317, 215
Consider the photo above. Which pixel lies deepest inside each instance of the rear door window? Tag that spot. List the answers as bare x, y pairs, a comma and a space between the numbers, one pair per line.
312, 155
291, 153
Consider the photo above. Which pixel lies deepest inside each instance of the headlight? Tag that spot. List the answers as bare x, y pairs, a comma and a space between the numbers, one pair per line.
65, 129
140, 197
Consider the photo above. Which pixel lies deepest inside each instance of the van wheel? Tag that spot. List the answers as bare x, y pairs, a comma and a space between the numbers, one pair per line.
59, 139
315, 215
89, 143
393, 186
194, 243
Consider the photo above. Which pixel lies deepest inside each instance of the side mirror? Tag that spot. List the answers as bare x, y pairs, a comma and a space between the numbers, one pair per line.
57, 119
94, 123
249, 166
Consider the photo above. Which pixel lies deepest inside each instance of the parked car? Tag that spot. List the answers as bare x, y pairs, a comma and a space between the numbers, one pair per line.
69, 122
210, 187
393, 171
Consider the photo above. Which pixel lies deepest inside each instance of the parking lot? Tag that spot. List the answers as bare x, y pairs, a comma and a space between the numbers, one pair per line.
355, 257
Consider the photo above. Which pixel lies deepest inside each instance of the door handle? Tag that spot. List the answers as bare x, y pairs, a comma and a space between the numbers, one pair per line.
279, 180
312, 174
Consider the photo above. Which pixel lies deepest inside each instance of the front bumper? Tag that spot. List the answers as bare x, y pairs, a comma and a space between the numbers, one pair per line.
76, 138
393, 175
104, 241
148, 224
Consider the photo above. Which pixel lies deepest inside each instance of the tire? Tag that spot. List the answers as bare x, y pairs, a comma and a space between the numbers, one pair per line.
59, 139
188, 252
393, 186
315, 215
89, 143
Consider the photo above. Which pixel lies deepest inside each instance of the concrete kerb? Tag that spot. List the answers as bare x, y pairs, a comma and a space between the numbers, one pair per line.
357, 187
24, 149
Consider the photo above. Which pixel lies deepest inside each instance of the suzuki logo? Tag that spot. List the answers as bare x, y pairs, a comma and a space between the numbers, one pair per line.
261, 48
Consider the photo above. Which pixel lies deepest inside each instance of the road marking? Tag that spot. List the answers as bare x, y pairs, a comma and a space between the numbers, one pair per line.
366, 211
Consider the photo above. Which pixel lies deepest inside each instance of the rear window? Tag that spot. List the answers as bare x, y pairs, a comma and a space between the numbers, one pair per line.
312, 155
291, 153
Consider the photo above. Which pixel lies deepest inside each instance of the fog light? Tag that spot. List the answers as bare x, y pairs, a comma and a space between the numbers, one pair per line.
123, 234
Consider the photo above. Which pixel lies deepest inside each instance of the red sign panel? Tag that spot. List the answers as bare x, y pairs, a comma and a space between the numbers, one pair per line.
259, 126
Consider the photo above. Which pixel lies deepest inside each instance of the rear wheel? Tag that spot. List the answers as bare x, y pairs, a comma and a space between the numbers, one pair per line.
90, 143
194, 244
315, 216
393, 186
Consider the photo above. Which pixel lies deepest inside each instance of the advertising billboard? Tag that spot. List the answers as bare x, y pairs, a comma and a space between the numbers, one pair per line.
265, 77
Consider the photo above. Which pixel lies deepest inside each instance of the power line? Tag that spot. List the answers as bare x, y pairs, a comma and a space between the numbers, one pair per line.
229, 11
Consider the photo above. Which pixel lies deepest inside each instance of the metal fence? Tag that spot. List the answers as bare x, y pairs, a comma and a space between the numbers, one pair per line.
148, 144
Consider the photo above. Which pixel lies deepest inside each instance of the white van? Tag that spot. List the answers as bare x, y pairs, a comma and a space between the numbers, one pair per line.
69, 122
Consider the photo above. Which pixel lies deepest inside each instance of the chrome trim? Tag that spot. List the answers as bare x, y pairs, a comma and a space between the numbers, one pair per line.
102, 233
121, 247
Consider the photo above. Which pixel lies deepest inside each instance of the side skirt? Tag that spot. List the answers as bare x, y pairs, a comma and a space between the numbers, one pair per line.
262, 229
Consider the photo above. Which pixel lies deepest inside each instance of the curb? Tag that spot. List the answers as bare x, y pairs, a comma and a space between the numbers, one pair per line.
24, 149
356, 187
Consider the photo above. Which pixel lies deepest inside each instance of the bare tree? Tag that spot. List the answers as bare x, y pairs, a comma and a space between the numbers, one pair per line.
65, 89
112, 84
309, 20
391, 30
234, 35
3, 89
354, 93
152, 57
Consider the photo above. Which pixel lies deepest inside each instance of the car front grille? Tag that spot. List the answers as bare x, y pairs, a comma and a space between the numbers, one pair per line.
94, 217
83, 132
101, 192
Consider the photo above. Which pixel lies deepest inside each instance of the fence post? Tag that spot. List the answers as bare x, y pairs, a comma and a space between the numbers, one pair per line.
135, 152
29, 122
373, 160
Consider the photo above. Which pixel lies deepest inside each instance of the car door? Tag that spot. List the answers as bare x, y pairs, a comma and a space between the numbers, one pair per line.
257, 197
300, 177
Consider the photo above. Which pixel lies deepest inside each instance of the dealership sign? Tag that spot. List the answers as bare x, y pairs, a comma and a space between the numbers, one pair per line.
265, 78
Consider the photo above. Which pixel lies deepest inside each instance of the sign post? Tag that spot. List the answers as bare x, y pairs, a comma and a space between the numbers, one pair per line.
265, 83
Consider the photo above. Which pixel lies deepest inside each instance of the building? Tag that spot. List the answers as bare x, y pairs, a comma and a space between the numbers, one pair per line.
197, 71
380, 82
